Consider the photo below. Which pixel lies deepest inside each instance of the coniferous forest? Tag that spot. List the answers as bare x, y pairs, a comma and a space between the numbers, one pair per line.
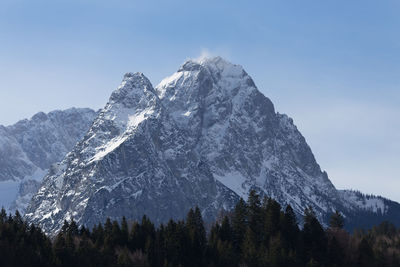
255, 233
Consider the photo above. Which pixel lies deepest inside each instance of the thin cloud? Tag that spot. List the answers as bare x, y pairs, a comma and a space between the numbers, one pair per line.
205, 53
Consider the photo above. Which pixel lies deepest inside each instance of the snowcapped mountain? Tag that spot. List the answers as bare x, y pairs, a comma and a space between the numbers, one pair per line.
29, 147
204, 136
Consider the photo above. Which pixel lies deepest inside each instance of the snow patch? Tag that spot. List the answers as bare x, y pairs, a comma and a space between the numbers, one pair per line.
108, 148
375, 204
234, 181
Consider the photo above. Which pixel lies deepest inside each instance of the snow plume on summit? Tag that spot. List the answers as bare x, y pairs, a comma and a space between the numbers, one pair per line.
203, 137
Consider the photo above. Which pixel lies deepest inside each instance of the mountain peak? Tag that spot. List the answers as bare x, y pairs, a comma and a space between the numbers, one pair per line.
133, 75
204, 137
40, 116
205, 74
133, 88
130, 105
135, 80
217, 60
213, 64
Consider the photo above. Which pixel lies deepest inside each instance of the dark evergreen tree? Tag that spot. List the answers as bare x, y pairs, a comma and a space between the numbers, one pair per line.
277, 255
124, 232
255, 217
3, 215
336, 220
108, 227
226, 230
116, 234
135, 237
84, 232
174, 247
147, 236
272, 224
64, 228
72, 229
289, 229
250, 249
239, 224
197, 236
314, 238
335, 253
365, 254
98, 236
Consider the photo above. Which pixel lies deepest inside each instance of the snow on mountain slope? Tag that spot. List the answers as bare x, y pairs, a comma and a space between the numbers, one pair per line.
29, 147
204, 136
132, 161
245, 143
14, 163
365, 202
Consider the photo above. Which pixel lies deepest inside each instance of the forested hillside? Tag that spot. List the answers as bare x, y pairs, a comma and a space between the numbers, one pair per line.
256, 233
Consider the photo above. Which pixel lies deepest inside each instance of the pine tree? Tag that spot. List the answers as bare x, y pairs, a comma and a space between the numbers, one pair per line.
335, 253
336, 220
160, 252
72, 229
108, 227
289, 228
98, 236
124, 232
147, 236
84, 232
173, 244
272, 219
64, 250
3, 215
64, 228
250, 248
225, 254
17, 218
255, 216
124, 259
197, 236
116, 234
314, 237
276, 253
365, 254
239, 224
226, 230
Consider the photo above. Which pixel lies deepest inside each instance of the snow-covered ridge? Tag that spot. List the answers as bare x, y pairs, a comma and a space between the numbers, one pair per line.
29, 147
130, 104
372, 203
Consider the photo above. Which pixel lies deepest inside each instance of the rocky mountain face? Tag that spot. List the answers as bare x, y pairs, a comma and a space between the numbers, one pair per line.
204, 136
29, 147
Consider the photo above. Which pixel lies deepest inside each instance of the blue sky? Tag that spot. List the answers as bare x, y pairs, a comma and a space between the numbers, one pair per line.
331, 65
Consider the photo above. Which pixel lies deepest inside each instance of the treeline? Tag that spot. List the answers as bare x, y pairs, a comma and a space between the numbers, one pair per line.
255, 233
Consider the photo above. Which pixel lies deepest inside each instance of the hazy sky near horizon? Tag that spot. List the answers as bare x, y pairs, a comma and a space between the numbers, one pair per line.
333, 66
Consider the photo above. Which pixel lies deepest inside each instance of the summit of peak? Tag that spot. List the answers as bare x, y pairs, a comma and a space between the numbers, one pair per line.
217, 66
134, 76
215, 62
132, 88
208, 71
135, 81
209, 59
